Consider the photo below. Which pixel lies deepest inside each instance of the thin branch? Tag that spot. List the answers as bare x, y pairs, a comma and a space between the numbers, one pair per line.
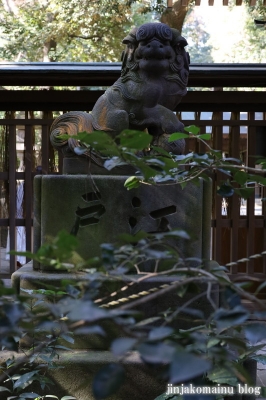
209, 291
87, 37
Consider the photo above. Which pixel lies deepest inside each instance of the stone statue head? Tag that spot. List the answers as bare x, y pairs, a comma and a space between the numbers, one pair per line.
156, 48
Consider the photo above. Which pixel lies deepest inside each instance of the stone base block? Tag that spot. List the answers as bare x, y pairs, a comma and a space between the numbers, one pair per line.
80, 367
98, 208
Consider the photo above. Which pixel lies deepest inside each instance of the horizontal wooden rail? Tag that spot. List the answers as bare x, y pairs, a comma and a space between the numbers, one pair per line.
104, 74
85, 99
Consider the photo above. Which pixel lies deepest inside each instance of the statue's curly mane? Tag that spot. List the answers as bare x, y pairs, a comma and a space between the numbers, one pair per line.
178, 68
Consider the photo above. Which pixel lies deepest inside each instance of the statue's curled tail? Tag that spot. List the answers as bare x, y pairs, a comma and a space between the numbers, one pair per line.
70, 124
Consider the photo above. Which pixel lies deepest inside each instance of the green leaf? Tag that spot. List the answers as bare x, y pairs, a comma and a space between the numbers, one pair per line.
86, 310
58, 346
177, 136
160, 333
94, 138
24, 380
137, 140
225, 190
258, 178
168, 162
148, 321
156, 254
65, 243
261, 286
200, 157
251, 351
122, 345
230, 297
192, 129
127, 238
255, 332
100, 141
132, 182
67, 338
205, 136
108, 380
160, 151
14, 312
245, 193
140, 163
160, 353
80, 150
90, 330
213, 342
194, 312
260, 314
222, 376
29, 396
234, 342
182, 290
68, 398
186, 366
113, 163
216, 153
4, 389
27, 254
176, 233
155, 161
241, 177
261, 161
235, 160
228, 318
165, 396
61, 248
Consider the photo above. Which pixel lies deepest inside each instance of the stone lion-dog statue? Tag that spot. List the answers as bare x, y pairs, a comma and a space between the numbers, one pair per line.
154, 75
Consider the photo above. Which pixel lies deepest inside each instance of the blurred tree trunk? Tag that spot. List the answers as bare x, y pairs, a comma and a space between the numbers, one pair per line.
174, 17
49, 45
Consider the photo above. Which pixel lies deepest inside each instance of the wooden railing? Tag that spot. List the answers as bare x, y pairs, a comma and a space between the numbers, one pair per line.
235, 117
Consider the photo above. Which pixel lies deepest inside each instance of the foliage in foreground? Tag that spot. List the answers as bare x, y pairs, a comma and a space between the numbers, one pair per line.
156, 165
215, 347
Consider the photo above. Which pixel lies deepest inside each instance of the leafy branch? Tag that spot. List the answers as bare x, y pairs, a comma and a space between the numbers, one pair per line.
154, 165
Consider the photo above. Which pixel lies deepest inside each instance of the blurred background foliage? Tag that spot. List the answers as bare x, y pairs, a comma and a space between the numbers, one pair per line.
92, 31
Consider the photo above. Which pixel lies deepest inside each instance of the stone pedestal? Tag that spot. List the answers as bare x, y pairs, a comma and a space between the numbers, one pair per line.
97, 209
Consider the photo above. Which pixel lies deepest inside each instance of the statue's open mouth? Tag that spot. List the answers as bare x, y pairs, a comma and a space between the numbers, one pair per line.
154, 57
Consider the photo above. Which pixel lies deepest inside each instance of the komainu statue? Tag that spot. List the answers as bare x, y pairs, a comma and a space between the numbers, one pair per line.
153, 80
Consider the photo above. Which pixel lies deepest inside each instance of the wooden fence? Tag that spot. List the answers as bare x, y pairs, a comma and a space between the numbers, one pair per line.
235, 118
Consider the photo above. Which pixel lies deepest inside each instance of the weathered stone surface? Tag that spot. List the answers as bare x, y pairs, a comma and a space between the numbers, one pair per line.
99, 215
80, 367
